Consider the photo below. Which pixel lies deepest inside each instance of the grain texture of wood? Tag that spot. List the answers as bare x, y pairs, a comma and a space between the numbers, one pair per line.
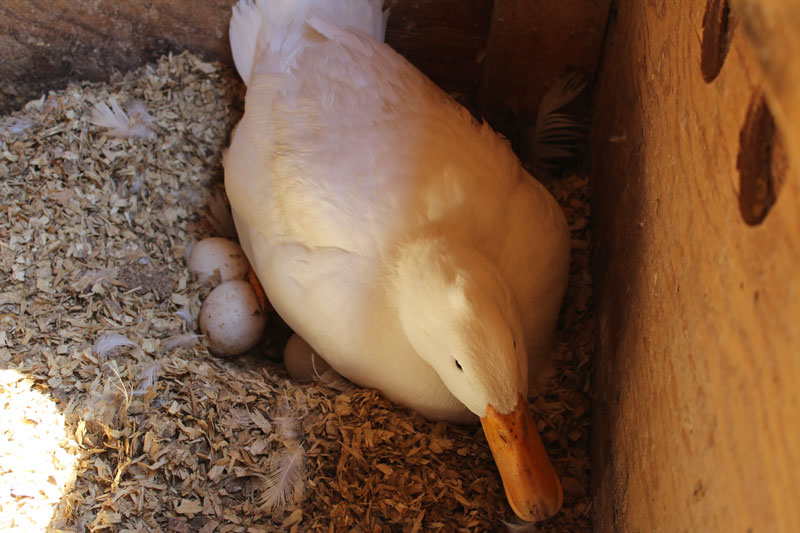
771, 27
698, 313
531, 45
445, 39
46, 44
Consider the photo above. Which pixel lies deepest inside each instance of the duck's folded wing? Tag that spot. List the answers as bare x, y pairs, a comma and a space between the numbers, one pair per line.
320, 292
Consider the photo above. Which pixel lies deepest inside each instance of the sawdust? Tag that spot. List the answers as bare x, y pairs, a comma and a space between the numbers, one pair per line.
163, 436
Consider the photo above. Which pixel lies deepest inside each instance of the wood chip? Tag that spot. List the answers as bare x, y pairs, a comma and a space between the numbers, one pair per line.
189, 507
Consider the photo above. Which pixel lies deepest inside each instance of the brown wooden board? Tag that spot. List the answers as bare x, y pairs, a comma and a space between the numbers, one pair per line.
533, 43
445, 39
696, 402
45, 44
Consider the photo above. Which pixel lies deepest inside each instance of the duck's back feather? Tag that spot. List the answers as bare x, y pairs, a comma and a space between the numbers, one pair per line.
360, 148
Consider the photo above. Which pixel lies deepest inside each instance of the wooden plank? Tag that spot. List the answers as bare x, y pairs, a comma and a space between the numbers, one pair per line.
531, 44
47, 43
445, 39
698, 312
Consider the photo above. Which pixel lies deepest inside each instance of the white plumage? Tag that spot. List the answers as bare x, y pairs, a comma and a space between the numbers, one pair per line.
347, 156
399, 237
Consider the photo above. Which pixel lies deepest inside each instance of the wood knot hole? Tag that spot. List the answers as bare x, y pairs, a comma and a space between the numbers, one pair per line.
718, 24
762, 162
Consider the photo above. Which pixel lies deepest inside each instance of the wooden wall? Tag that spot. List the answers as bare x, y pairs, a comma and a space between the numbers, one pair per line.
497, 56
696, 209
46, 43
532, 43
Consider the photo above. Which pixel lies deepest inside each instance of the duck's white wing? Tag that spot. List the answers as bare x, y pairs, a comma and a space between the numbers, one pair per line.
322, 292
329, 297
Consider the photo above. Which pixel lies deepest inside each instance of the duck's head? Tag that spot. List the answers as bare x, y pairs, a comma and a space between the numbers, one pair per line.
460, 316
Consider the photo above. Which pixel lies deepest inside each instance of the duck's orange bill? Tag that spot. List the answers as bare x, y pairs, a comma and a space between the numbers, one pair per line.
532, 486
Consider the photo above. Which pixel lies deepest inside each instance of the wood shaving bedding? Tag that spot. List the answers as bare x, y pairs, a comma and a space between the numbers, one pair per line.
161, 436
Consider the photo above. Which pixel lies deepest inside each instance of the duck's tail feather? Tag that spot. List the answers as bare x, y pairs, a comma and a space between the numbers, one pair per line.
243, 29
270, 33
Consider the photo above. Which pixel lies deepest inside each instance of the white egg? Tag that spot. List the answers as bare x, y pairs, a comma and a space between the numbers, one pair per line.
231, 318
216, 254
302, 363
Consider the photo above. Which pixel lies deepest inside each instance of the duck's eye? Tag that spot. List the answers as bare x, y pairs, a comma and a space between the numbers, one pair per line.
458, 365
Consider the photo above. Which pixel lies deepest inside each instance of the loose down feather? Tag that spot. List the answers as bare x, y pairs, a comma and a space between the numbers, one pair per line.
135, 124
286, 481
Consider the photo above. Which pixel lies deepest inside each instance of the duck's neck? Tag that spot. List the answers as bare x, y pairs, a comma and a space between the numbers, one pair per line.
430, 267
433, 277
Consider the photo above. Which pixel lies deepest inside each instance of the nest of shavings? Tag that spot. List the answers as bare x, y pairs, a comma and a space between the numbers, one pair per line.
148, 432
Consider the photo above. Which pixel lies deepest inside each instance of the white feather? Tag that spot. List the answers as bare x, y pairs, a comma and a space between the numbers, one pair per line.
188, 251
14, 126
274, 27
286, 480
219, 216
133, 124
563, 91
107, 342
108, 406
148, 375
287, 428
184, 340
186, 314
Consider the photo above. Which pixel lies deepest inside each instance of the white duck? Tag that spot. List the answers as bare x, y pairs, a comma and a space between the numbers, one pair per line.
398, 236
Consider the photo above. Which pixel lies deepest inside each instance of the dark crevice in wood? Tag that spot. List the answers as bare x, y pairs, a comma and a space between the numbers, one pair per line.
718, 25
762, 162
